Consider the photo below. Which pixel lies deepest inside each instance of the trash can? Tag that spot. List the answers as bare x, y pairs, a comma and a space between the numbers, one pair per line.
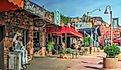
15, 60
11, 60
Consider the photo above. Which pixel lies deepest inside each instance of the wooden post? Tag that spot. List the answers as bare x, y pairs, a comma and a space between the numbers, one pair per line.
61, 38
66, 39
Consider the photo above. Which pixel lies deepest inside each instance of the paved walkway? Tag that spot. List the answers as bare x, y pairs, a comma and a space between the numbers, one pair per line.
86, 62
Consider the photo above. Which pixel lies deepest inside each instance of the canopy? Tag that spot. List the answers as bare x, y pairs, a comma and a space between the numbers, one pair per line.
88, 31
64, 29
118, 40
101, 42
6, 5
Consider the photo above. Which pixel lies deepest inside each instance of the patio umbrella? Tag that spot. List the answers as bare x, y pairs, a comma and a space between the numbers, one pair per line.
101, 42
118, 40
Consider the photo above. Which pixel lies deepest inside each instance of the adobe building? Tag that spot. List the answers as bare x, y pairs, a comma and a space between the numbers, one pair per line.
20, 16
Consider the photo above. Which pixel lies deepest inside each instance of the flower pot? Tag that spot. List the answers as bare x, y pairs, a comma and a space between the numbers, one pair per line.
67, 56
119, 57
110, 63
88, 50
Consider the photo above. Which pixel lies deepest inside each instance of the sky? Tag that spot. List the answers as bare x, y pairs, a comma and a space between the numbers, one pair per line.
76, 8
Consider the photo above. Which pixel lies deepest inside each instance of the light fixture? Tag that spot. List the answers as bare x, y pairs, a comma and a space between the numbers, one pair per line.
106, 12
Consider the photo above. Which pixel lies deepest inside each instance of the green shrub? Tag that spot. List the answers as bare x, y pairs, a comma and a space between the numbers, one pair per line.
50, 45
111, 51
67, 51
87, 41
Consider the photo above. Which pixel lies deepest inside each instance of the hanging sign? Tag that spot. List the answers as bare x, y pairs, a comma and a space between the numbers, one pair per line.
115, 23
57, 17
34, 8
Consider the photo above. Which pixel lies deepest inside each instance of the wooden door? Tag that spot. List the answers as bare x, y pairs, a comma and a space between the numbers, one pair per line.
2, 32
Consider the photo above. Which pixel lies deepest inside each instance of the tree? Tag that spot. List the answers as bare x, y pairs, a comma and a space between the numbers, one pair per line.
65, 19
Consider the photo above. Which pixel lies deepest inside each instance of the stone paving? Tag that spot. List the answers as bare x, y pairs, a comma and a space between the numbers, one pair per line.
84, 62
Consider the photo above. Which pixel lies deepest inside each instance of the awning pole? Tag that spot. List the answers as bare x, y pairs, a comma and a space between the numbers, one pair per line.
61, 38
66, 39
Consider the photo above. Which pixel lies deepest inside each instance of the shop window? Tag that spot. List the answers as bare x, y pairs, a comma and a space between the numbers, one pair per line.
36, 40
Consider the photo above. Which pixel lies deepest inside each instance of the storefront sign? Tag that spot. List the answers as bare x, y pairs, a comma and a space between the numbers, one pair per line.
83, 25
34, 8
38, 28
57, 18
115, 23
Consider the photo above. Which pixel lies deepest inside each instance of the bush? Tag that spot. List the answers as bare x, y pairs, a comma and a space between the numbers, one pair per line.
87, 41
111, 51
50, 45
67, 51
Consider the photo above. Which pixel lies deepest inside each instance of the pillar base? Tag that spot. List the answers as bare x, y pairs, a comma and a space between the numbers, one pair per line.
43, 51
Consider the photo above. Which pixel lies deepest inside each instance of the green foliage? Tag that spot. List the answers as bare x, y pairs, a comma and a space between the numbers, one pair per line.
50, 45
65, 19
84, 50
87, 41
111, 51
67, 51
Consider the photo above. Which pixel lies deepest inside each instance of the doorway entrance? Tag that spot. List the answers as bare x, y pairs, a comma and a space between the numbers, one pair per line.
2, 35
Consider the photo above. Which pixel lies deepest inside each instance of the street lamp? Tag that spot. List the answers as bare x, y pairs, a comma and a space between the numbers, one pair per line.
93, 11
109, 12
98, 9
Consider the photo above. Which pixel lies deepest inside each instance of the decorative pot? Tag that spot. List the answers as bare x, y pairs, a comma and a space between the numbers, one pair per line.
67, 56
110, 63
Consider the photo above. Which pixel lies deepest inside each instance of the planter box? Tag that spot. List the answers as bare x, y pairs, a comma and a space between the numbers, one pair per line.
119, 57
110, 63
67, 56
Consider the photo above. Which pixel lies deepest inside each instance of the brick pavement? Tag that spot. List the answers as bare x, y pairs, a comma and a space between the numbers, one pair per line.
86, 62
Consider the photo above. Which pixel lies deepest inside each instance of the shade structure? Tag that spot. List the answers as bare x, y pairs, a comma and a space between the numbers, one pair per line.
118, 40
6, 5
90, 30
87, 30
64, 29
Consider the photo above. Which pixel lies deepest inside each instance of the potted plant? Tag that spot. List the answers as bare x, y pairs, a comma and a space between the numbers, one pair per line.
50, 46
67, 53
119, 56
110, 62
87, 43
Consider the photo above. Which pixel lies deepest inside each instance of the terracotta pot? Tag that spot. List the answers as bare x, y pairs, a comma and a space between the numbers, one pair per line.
119, 57
109, 63
67, 56
92, 50
88, 50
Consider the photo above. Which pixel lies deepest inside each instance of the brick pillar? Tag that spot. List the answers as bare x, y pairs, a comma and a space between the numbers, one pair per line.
30, 43
43, 42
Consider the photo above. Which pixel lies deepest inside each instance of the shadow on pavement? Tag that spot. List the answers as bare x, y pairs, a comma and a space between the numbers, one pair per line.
92, 67
100, 63
84, 62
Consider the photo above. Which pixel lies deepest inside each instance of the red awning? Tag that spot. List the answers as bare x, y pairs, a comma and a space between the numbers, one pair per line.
118, 40
101, 42
6, 5
64, 29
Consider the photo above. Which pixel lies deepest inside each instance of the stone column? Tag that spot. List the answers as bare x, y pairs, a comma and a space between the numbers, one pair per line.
43, 42
8, 42
30, 43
